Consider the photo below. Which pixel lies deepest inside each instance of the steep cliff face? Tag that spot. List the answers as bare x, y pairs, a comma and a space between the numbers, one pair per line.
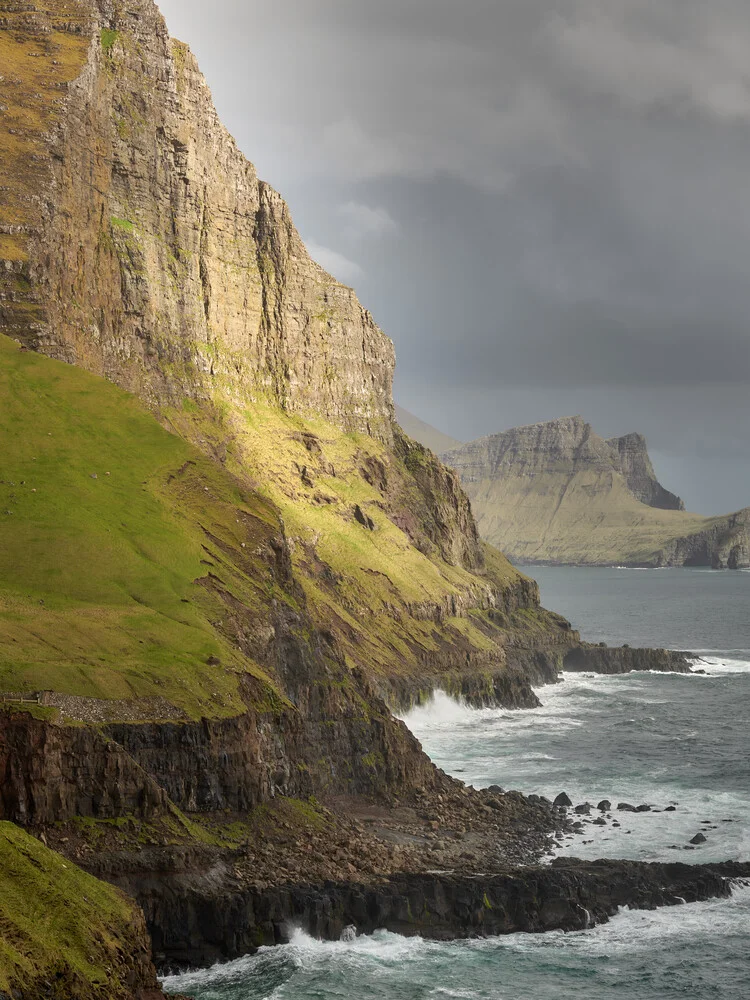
214, 585
635, 465
285, 558
151, 251
556, 492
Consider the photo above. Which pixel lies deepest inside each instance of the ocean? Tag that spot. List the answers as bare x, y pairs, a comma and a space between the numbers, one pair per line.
659, 739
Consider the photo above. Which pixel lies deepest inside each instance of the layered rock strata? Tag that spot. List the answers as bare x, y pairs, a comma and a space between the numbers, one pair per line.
221, 689
150, 252
198, 928
558, 493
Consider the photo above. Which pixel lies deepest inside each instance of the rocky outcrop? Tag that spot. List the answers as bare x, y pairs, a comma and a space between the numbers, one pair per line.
623, 659
724, 543
51, 774
153, 254
556, 492
633, 461
193, 926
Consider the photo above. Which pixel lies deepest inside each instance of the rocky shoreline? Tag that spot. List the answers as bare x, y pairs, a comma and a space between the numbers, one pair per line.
567, 895
218, 882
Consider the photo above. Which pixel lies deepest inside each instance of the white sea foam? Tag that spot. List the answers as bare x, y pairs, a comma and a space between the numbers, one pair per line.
642, 930
717, 665
306, 952
380, 955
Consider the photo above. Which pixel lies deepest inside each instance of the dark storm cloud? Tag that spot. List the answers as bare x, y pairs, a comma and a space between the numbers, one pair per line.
546, 203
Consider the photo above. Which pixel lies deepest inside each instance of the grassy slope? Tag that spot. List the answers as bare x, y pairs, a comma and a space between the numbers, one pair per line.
57, 921
363, 584
590, 517
98, 591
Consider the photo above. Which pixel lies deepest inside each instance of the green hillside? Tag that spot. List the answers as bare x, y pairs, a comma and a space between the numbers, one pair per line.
108, 525
59, 924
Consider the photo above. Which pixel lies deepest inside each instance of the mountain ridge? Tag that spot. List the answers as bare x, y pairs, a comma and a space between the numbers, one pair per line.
557, 492
425, 433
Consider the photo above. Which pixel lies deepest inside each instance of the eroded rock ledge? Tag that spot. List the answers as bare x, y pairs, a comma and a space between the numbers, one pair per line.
198, 929
623, 659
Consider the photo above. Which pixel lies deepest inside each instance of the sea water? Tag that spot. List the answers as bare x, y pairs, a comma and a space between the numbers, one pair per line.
642, 738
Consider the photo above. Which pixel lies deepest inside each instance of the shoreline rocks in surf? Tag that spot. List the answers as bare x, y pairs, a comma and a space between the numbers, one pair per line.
567, 895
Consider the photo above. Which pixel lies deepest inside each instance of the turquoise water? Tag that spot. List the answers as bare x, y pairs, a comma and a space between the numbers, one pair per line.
651, 738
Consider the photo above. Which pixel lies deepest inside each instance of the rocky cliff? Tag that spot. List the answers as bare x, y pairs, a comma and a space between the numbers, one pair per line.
630, 456
222, 562
141, 243
557, 492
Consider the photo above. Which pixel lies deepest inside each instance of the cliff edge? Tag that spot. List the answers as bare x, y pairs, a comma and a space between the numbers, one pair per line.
222, 563
556, 492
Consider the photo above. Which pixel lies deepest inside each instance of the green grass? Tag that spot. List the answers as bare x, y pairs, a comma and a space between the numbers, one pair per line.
109, 39
56, 920
122, 224
99, 591
359, 583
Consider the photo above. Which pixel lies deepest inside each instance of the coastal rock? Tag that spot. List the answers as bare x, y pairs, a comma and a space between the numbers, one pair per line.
604, 806
699, 838
634, 463
562, 801
151, 254
212, 924
558, 493
587, 657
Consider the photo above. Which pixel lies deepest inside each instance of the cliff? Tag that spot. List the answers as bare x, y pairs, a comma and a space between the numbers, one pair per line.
139, 244
556, 492
222, 562
631, 458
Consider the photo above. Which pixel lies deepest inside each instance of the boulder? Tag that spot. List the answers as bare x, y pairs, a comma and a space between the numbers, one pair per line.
562, 801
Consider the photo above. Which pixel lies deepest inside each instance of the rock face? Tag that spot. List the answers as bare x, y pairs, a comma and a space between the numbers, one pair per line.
152, 253
307, 566
567, 895
556, 492
624, 659
638, 472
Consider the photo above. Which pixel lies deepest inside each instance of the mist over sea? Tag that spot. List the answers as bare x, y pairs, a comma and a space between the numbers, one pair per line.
660, 739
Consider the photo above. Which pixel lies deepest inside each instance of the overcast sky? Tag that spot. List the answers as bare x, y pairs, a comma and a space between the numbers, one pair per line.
545, 203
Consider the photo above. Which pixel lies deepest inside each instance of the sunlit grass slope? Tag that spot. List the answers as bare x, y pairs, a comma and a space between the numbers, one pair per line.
58, 924
108, 523
365, 537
